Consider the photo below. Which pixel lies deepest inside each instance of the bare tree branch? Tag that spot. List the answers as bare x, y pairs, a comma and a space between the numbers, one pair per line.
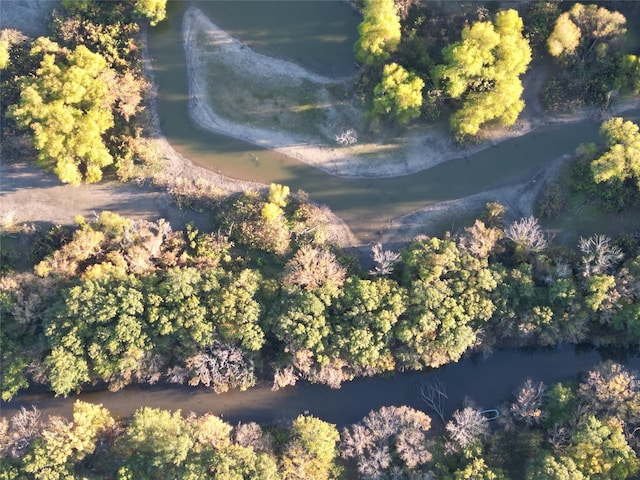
433, 396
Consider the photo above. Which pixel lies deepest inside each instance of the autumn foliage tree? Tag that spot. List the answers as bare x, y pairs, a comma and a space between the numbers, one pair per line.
482, 72
379, 32
585, 31
587, 43
621, 161
68, 107
398, 95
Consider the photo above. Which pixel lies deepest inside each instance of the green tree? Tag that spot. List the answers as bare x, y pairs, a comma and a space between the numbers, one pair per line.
68, 106
234, 309
155, 444
379, 32
628, 78
363, 317
242, 463
63, 444
312, 452
299, 320
399, 94
96, 332
600, 450
477, 469
598, 289
17, 337
560, 404
482, 71
448, 293
549, 467
175, 309
621, 161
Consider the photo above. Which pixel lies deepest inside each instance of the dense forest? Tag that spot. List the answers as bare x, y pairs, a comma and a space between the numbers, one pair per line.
264, 294
120, 301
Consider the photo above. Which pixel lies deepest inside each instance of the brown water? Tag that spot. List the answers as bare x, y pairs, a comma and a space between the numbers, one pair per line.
489, 381
320, 36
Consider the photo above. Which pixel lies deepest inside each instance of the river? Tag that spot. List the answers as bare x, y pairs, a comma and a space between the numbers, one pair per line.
320, 35
489, 381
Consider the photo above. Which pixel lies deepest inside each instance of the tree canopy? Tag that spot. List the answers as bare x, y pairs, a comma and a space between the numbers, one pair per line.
68, 106
379, 32
482, 71
579, 32
621, 161
399, 94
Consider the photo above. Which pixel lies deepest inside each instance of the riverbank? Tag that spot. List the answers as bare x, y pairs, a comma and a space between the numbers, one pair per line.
178, 175
386, 154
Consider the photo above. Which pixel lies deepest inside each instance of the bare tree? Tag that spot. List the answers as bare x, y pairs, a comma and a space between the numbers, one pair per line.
347, 137
177, 374
598, 254
466, 426
559, 437
221, 367
527, 233
150, 368
528, 404
412, 448
387, 439
385, 260
331, 374
284, 378
313, 267
17, 434
356, 441
479, 239
251, 435
433, 396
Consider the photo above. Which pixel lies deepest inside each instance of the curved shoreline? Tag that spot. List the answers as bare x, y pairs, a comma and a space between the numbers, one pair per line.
421, 150
25, 206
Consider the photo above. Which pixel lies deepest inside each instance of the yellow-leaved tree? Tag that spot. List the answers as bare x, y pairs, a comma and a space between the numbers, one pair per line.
67, 105
379, 32
483, 71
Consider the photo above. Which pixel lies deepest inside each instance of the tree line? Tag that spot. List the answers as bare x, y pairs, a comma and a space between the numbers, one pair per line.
116, 301
584, 428
412, 68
